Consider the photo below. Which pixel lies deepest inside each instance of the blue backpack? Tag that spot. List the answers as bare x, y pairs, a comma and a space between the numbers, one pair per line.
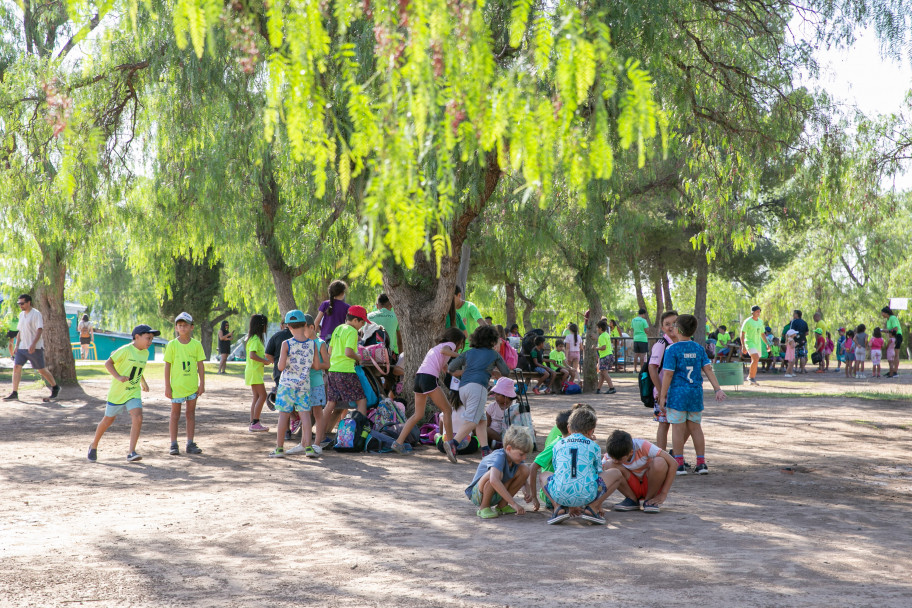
573, 389
352, 433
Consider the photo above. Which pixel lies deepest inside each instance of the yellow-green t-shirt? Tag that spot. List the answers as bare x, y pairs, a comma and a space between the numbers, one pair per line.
128, 361
184, 359
557, 359
723, 339
344, 336
605, 340
253, 371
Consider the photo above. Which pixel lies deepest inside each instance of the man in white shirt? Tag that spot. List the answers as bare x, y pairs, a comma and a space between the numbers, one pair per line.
30, 347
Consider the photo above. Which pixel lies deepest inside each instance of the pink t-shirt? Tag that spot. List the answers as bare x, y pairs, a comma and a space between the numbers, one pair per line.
877, 343
658, 353
497, 416
435, 361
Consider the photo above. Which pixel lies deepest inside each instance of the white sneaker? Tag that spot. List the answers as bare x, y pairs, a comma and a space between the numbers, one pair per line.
318, 449
298, 449
789, 376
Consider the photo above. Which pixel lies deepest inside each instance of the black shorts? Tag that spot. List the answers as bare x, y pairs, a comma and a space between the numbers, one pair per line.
12, 334
85, 340
641, 348
224, 347
424, 384
898, 341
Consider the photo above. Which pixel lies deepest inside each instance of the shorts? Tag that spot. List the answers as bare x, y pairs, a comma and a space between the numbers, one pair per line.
680, 417
724, 351
801, 352
541, 371
180, 400
424, 384
849, 357
473, 397
860, 354
342, 387
13, 333
876, 355
898, 342
599, 489
657, 413
606, 363
573, 358
753, 351
477, 496
292, 399
641, 348
638, 486
317, 395
224, 347
85, 340
112, 409
36, 358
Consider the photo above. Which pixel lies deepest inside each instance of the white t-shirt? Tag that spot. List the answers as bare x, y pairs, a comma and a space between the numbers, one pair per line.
29, 324
497, 416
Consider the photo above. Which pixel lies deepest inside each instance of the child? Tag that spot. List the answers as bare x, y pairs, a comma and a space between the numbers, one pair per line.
296, 358
501, 474
819, 346
426, 385
850, 353
342, 383
840, 349
669, 336
681, 399
332, 312
254, 369
891, 355
543, 466
606, 357
791, 344
473, 368
504, 394
126, 365
861, 350
538, 363
775, 356
556, 359
877, 344
722, 340
827, 351
573, 342
185, 379
638, 461
578, 486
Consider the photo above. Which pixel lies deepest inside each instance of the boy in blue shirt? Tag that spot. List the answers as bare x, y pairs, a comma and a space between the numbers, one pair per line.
501, 474
681, 398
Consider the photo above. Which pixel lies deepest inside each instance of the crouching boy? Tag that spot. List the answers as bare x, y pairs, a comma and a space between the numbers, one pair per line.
500, 475
648, 472
578, 486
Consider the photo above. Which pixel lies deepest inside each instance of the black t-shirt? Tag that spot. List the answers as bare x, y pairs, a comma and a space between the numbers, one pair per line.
801, 326
274, 348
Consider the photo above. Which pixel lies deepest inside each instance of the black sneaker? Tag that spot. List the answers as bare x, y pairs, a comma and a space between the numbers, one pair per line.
192, 448
681, 470
175, 451
598, 391
702, 469
55, 390
14, 396
93, 455
612, 390
270, 401
133, 457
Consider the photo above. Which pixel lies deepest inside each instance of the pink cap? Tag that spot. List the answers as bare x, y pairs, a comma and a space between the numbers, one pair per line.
504, 386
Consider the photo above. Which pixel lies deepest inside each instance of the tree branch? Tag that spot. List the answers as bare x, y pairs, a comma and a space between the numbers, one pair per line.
83, 31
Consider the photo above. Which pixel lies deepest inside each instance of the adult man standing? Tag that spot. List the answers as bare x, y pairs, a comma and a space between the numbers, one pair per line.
385, 317
468, 312
640, 339
801, 350
752, 339
30, 347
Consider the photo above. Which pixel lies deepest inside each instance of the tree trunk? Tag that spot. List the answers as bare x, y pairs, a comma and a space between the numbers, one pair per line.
208, 329
462, 276
528, 307
510, 291
638, 287
284, 290
660, 305
700, 299
590, 355
282, 273
49, 299
666, 288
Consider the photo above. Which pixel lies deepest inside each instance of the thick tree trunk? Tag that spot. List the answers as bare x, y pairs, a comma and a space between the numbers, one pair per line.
666, 289
700, 299
638, 288
462, 276
284, 290
590, 355
528, 307
282, 273
49, 299
510, 299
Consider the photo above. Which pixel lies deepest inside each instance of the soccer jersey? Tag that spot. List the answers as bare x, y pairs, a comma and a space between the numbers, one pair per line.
753, 331
253, 370
643, 454
344, 336
577, 463
686, 360
298, 362
128, 361
184, 360
604, 340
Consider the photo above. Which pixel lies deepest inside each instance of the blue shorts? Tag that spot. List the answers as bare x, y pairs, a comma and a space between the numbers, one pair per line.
723, 351
291, 399
318, 395
540, 370
680, 417
849, 357
801, 353
112, 409
180, 400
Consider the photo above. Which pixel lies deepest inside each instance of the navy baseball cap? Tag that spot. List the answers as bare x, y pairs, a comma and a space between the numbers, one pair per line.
144, 329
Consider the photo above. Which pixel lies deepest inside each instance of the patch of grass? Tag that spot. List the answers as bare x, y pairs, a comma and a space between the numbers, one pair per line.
867, 423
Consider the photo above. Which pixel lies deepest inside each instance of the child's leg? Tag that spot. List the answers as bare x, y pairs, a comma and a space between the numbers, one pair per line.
444, 406
696, 433
135, 427
612, 479
306, 430
623, 487
415, 418
601, 378
662, 436
362, 406
481, 431
103, 426
658, 471
191, 420
515, 485
324, 419
259, 399
487, 490
608, 379
493, 435
175, 420
678, 437
284, 417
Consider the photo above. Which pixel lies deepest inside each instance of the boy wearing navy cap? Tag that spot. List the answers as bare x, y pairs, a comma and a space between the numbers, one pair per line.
126, 365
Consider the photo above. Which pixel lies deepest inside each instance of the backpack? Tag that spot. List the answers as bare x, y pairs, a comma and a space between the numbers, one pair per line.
645, 381
518, 414
528, 341
352, 433
510, 356
385, 414
369, 393
573, 389
374, 348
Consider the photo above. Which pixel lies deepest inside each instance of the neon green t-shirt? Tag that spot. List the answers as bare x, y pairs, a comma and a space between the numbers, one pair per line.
604, 340
553, 436
344, 336
776, 350
893, 323
470, 316
13, 323
128, 361
184, 373
557, 359
459, 324
723, 339
253, 371
615, 333
752, 330
387, 319
639, 325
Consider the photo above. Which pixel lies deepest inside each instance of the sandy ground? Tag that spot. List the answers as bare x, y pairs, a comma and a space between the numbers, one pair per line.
233, 528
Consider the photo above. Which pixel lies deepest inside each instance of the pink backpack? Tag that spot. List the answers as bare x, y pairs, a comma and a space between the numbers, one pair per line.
510, 356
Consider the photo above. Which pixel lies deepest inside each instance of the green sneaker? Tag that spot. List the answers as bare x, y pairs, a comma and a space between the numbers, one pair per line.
277, 453
488, 513
310, 452
506, 510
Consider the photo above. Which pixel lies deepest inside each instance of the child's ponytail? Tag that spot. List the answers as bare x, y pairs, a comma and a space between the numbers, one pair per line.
336, 288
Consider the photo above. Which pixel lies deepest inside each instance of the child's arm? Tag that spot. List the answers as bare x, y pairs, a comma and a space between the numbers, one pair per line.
669, 478
456, 366
283, 357
663, 394
201, 372
318, 322
256, 357
142, 381
533, 485
352, 354
109, 365
720, 395
449, 352
167, 380
322, 361
496, 482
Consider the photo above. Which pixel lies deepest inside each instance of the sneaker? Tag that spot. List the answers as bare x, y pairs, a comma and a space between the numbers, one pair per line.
651, 508
317, 449
257, 428
288, 435
327, 442
270, 401
611, 391
192, 448
628, 504
488, 513
450, 450
560, 515
295, 425
133, 457
93, 455
276, 453
681, 470
598, 391
408, 448
298, 449
55, 390
702, 469
789, 376
174, 451
753, 382
592, 517
398, 447
14, 396
485, 451
311, 452
536, 391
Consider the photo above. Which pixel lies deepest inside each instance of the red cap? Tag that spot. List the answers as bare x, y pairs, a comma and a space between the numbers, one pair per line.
358, 311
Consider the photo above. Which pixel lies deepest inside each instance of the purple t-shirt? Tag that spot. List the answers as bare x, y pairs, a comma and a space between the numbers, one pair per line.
332, 320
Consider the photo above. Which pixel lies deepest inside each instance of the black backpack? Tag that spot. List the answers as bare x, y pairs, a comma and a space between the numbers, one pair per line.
524, 357
645, 381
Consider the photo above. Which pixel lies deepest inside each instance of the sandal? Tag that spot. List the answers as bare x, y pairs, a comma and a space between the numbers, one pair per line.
560, 515
591, 516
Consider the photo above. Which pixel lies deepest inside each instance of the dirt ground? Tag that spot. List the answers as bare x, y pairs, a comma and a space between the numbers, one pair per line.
233, 528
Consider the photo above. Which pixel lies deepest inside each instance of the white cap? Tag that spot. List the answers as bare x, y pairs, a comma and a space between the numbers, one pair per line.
184, 317
791, 332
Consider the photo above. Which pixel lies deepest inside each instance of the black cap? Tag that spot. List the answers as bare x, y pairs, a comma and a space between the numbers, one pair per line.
144, 329
755, 308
